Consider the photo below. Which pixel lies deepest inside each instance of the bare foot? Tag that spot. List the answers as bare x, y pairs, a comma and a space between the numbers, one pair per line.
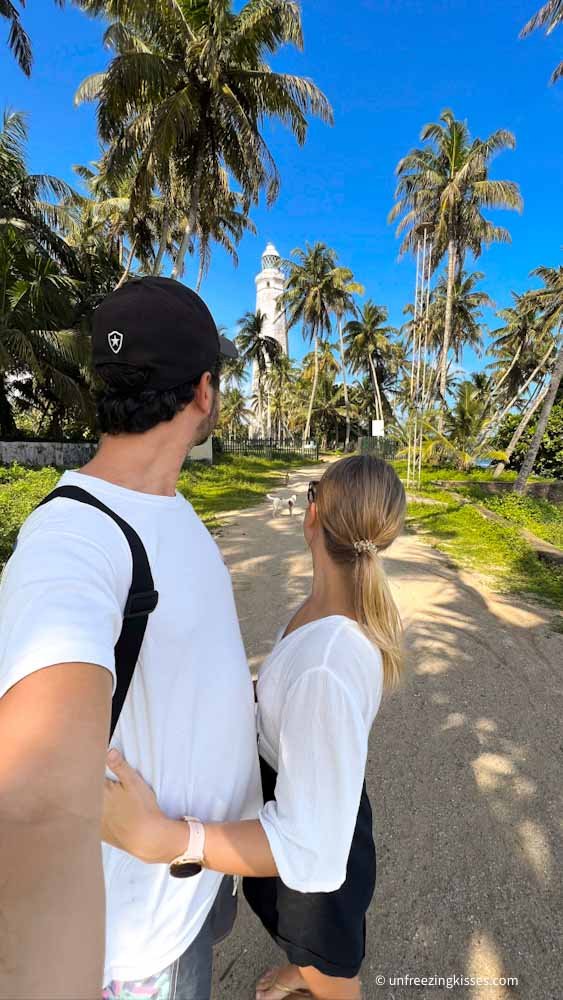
281, 983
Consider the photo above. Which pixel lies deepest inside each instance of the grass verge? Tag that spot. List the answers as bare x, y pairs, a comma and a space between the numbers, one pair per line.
497, 552
233, 483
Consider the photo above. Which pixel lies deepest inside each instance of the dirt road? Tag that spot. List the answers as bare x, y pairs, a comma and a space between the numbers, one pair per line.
464, 774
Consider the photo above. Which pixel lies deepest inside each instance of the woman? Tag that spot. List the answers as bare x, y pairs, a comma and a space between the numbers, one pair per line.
309, 858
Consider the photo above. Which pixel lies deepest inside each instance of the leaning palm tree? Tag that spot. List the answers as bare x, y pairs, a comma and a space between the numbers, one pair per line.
549, 17
185, 96
368, 347
443, 189
309, 299
550, 300
258, 350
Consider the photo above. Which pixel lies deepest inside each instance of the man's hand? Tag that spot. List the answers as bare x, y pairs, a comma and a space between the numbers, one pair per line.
132, 819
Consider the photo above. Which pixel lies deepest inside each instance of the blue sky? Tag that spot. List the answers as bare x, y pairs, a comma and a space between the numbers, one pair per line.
388, 67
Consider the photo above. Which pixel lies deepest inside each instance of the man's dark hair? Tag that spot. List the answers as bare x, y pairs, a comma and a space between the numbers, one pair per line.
125, 407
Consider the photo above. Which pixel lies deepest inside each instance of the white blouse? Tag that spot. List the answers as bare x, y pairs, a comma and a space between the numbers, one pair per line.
318, 694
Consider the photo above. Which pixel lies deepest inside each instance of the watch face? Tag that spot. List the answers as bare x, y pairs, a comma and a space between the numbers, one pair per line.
185, 869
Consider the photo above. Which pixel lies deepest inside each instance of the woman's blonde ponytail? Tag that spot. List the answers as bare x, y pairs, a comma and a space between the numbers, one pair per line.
361, 506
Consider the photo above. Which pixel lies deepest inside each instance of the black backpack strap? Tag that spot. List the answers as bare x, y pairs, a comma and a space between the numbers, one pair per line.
142, 598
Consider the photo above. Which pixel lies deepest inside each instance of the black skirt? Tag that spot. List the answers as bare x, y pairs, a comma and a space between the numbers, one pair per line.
326, 930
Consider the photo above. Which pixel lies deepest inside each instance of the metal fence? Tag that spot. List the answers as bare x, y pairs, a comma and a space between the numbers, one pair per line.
381, 447
266, 447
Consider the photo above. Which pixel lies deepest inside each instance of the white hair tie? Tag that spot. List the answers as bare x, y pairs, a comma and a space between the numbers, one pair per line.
364, 545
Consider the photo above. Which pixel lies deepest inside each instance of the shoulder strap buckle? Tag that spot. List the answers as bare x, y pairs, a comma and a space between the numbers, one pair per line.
140, 604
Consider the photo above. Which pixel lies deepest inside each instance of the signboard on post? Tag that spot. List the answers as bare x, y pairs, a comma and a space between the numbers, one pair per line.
377, 428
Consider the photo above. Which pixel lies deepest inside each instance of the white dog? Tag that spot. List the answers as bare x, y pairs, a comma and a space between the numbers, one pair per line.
278, 504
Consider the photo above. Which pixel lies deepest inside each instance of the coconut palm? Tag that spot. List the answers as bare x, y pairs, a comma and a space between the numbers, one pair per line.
308, 299
281, 379
550, 301
459, 442
18, 39
37, 302
369, 348
235, 414
519, 347
344, 290
467, 311
25, 198
444, 188
257, 350
549, 17
185, 96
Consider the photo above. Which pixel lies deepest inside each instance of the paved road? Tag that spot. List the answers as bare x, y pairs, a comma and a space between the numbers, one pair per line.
464, 774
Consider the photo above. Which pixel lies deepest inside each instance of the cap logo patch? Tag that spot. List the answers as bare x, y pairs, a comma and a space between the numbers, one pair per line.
115, 341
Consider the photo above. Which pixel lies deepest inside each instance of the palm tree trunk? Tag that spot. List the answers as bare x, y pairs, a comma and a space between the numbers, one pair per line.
178, 268
376, 391
128, 266
162, 245
527, 416
313, 390
7, 423
528, 463
200, 275
447, 326
494, 424
344, 385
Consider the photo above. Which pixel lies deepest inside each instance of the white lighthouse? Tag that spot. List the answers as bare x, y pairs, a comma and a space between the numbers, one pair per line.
269, 287
270, 283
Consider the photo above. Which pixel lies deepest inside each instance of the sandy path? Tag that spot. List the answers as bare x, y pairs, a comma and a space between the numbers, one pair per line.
464, 774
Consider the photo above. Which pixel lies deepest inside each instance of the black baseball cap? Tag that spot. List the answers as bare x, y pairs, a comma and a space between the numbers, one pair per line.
160, 325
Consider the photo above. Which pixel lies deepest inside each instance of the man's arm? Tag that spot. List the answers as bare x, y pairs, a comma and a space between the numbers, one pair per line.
54, 727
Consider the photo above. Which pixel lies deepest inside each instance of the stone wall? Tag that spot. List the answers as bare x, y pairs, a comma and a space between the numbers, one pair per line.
65, 455
69, 455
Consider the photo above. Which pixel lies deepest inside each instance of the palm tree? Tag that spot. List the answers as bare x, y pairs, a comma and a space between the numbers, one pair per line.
281, 380
343, 302
549, 17
550, 301
259, 351
518, 346
235, 414
368, 347
309, 300
185, 96
467, 305
444, 188
18, 39
24, 197
463, 431
37, 302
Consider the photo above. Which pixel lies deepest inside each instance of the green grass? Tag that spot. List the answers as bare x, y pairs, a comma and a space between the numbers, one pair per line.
431, 474
498, 552
233, 483
542, 518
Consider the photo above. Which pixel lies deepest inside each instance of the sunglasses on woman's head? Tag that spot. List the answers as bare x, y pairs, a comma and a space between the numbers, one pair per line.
312, 491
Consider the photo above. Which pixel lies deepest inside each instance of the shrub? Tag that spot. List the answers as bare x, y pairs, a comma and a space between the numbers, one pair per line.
549, 461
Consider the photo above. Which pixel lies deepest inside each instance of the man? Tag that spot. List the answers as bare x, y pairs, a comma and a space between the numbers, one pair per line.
187, 724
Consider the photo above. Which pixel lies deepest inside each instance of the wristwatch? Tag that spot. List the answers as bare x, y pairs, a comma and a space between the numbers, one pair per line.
191, 862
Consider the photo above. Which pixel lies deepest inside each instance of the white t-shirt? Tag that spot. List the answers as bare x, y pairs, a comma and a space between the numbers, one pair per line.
318, 694
188, 721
